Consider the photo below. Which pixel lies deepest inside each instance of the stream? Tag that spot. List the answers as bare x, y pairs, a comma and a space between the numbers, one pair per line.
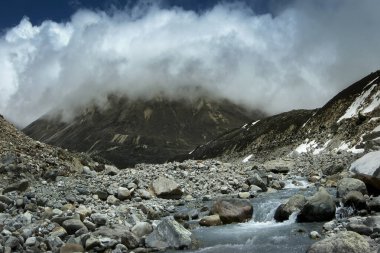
262, 233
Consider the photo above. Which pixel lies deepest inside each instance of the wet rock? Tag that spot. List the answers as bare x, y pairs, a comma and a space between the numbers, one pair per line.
211, 220
166, 188
355, 199
294, 204
347, 242
169, 234
232, 210
346, 185
320, 207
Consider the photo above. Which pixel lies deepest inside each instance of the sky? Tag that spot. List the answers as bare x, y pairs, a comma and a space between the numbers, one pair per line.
273, 55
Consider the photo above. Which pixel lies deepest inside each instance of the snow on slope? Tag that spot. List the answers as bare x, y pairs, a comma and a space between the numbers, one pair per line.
364, 103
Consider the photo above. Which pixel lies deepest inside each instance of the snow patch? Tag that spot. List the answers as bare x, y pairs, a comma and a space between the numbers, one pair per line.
245, 125
345, 146
247, 158
311, 147
374, 104
254, 123
367, 164
374, 119
357, 105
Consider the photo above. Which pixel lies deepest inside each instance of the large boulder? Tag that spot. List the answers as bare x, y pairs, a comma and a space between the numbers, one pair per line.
320, 207
169, 234
346, 185
343, 242
166, 188
255, 179
367, 168
294, 204
232, 210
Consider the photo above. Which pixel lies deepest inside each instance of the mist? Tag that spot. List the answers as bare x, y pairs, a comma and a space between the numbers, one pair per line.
298, 57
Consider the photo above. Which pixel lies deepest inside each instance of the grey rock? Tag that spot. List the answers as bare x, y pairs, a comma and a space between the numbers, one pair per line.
99, 219
20, 186
232, 210
72, 225
346, 185
123, 193
360, 229
374, 204
294, 204
347, 242
355, 199
120, 233
255, 179
71, 248
166, 188
142, 228
320, 207
211, 220
169, 234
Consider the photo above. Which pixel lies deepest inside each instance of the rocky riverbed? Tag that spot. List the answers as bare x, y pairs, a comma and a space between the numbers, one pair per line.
100, 208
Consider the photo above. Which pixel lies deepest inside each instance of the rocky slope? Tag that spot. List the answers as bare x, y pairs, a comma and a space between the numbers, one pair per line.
127, 132
348, 122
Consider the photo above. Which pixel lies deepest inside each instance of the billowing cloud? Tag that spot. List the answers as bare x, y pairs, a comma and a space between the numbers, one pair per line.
298, 58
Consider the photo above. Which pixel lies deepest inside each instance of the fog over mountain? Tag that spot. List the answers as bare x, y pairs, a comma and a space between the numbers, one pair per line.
298, 57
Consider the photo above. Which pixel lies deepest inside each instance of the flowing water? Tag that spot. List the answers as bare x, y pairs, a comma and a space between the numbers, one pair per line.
261, 234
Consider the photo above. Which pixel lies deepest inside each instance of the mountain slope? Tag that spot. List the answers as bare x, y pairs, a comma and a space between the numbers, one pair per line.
348, 122
127, 132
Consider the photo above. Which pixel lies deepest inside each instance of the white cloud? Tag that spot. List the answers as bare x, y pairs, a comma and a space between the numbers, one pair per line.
296, 59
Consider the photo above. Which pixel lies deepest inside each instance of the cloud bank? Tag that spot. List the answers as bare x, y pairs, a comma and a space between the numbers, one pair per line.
298, 58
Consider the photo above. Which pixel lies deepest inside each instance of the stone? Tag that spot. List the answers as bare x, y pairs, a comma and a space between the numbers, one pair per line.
20, 186
12, 242
144, 194
112, 200
83, 211
166, 188
99, 219
347, 242
255, 179
6, 200
59, 231
314, 235
72, 225
55, 243
374, 204
319, 207
294, 204
71, 248
355, 199
123, 193
91, 243
169, 234
142, 228
111, 170
232, 210
244, 195
332, 169
360, 229
31, 241
119, 233
211, 220
346, 185
367, 169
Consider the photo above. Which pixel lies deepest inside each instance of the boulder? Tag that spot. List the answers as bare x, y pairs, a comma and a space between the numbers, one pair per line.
374, 204
320, 207
294, 204
332, 169
142, 228
120, 233
73, 225
360, 229
166, 188
169, 234
343, 242
255, 179
232, 210
346, 185
367, 169
355, 199
123, 193
20, 186
211, 220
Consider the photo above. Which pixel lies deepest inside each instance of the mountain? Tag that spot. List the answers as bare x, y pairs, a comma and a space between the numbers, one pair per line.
349, 122
127, 131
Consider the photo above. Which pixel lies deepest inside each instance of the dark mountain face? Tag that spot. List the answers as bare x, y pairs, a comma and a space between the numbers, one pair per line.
127, 132
348, 122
